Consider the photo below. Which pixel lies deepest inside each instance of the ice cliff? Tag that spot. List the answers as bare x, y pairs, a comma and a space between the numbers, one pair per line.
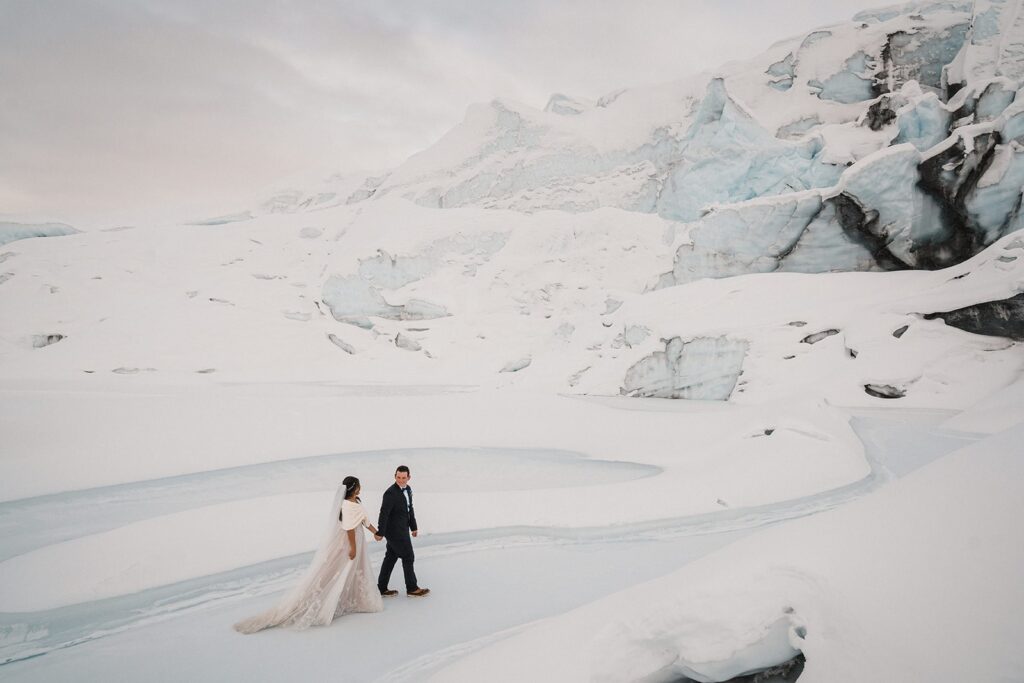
891, 141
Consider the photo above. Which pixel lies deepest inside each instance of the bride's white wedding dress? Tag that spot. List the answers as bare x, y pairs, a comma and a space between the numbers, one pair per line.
333, 585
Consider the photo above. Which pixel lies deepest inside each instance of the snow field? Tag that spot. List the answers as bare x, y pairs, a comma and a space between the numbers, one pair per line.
918, 581
685, 464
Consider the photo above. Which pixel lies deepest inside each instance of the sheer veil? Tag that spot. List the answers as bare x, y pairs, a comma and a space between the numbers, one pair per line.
332, 585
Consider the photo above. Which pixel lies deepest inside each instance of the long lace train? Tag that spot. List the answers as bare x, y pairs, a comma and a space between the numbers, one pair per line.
332, 586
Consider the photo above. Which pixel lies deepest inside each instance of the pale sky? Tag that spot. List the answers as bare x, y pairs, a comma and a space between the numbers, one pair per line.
120, 111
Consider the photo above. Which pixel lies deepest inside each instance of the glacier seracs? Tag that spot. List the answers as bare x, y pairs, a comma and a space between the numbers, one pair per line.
792, 120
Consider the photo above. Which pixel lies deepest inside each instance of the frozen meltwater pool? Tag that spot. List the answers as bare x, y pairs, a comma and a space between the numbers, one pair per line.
30, 523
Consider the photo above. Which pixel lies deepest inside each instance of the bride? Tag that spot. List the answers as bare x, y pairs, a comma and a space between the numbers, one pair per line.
338, 581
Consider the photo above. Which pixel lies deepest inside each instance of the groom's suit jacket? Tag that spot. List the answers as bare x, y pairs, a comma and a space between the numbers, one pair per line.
396, 519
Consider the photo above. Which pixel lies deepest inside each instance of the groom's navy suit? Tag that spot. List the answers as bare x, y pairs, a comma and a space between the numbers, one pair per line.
397, 519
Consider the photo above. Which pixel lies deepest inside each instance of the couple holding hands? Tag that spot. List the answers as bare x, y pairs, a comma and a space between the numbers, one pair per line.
339, 580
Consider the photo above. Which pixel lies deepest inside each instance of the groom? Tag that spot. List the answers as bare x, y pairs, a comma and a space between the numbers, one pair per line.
397, 518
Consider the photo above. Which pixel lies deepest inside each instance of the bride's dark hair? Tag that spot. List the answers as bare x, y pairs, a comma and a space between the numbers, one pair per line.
351, 484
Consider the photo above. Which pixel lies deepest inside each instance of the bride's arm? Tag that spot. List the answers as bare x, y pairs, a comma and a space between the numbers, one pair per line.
367, 524
351, 543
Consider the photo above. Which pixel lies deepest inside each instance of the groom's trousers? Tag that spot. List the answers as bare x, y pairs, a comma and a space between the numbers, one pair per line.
398, 548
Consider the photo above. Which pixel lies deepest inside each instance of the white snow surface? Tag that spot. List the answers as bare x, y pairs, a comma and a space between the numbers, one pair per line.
247, 302
917, 582
178, 403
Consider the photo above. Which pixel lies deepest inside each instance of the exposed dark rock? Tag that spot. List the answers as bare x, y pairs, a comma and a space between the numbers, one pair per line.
884, 391
41, 340
1003, 318
852, 353
818, 336
899, 332
796, 323
788, 357
406, 342
206, 371
341, 344
880, 114
787, 672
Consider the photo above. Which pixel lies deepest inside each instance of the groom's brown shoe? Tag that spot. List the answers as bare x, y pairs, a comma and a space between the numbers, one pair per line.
418, 592
388, 593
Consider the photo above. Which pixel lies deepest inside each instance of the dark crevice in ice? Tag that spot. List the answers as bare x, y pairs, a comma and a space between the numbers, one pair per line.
818, 336
884, 391
1003, 318
900, 331
860, 225
950, 177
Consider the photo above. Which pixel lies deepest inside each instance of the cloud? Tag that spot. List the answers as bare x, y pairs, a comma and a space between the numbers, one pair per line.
114, 111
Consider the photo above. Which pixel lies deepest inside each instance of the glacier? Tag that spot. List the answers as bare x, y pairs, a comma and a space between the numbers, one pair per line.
819, 113
813, 113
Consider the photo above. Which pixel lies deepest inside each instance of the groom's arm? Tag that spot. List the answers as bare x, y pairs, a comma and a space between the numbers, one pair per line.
412, 516
385, 513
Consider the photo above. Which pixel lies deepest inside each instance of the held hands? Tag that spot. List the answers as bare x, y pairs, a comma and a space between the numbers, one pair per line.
415, 533
377, 537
